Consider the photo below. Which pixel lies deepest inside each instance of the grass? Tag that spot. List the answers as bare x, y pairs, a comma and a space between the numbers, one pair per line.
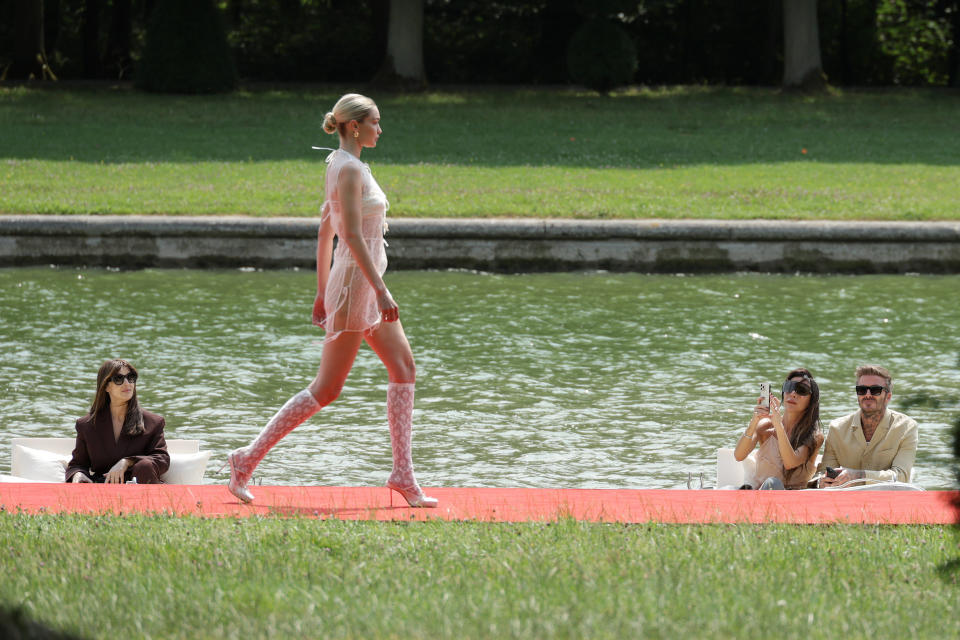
686, 152
108, 577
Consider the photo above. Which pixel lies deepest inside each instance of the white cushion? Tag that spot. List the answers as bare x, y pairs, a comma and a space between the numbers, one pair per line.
66, 445
730, 472
38, 465
6, 478
186, 468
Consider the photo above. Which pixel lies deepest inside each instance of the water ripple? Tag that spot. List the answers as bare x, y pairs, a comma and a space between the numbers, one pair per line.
591, 380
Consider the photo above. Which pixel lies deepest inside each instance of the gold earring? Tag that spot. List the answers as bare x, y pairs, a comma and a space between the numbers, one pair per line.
356, 134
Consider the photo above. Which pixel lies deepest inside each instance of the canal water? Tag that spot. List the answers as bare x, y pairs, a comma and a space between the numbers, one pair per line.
586, 380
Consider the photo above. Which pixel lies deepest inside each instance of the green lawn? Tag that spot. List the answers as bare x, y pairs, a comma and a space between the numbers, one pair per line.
673, 153
112, 577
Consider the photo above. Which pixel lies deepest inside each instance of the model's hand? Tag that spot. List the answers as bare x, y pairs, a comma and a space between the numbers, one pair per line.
80, 476
319, 311
389, 310
117, 471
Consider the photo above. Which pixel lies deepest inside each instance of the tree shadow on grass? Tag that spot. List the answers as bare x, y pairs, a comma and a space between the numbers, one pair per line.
499, 127
950, 570
16, 625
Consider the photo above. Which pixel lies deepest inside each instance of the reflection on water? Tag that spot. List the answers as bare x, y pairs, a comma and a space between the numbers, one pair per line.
589, 380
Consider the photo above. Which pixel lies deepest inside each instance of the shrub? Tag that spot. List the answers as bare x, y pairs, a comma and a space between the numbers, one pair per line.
917, 39
186, 50
601, 56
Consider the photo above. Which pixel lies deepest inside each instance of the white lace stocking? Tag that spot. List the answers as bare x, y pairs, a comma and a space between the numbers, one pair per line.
400, 418
296, 411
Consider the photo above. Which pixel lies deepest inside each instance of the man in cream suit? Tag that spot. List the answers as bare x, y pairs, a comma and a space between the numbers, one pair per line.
873, 443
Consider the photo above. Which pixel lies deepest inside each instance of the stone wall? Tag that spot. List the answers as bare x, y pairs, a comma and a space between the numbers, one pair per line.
512, 245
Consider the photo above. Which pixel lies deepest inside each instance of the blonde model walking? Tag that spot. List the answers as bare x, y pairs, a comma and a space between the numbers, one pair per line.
352, 305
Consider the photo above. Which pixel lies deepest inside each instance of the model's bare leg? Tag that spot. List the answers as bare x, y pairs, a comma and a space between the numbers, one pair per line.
335, 363
390, 343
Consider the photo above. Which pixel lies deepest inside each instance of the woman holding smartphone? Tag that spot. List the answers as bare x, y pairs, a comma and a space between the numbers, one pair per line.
788, 442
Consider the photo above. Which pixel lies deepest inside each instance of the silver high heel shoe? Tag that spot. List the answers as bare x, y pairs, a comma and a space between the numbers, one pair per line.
414, 496
238, 478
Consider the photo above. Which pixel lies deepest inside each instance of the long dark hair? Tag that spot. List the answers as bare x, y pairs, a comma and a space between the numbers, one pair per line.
809, 421
133, 423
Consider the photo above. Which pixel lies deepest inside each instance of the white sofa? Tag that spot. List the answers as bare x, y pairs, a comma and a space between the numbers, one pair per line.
46, 460
732, 474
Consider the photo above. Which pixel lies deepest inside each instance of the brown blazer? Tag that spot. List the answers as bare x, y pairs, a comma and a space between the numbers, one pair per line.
96, 452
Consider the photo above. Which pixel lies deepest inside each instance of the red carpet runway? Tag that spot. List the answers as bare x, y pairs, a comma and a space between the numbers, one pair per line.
494, 505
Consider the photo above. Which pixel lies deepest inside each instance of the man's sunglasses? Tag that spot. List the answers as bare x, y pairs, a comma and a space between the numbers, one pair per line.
874, 389
800, 387
118, 378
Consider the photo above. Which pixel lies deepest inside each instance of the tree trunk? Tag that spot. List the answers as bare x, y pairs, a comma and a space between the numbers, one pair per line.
235, 13
403, 64
29, 58
118, 42
51, 24
954, 80
844, 57
802, 68
91, 38
773, 23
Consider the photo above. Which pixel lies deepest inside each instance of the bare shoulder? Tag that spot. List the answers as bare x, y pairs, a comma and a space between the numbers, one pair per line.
350, 173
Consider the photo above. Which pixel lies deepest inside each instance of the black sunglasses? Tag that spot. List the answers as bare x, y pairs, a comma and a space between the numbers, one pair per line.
118, 378
874, 389
800, 387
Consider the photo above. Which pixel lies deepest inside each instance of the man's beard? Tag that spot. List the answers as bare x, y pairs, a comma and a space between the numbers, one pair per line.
875, 413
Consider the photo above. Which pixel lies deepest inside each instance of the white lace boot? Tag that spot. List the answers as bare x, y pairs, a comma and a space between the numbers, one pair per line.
245, 459
400, 417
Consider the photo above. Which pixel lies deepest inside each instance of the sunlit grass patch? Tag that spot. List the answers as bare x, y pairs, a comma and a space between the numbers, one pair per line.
264, 577
677, 152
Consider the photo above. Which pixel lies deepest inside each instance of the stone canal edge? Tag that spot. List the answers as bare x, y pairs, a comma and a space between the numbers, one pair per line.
500, 245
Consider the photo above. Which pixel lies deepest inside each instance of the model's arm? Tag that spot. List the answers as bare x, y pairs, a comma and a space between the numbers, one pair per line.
324, 249
324, 254
350, 188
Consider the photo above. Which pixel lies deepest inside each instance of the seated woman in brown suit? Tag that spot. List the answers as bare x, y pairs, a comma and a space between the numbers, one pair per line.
117, 440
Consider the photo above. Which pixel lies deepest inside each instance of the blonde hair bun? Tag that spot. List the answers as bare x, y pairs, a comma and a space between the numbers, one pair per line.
330, 122
350, 106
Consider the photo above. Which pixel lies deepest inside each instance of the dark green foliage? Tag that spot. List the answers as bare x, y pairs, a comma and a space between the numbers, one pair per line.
306, 41
863, 42
477, 41
914, 36
601, 56
186, 50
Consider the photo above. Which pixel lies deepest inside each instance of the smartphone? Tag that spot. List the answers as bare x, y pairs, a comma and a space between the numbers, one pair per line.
765, 395
832, 473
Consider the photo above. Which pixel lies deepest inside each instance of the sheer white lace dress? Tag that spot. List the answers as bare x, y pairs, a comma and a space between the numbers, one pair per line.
349, 300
